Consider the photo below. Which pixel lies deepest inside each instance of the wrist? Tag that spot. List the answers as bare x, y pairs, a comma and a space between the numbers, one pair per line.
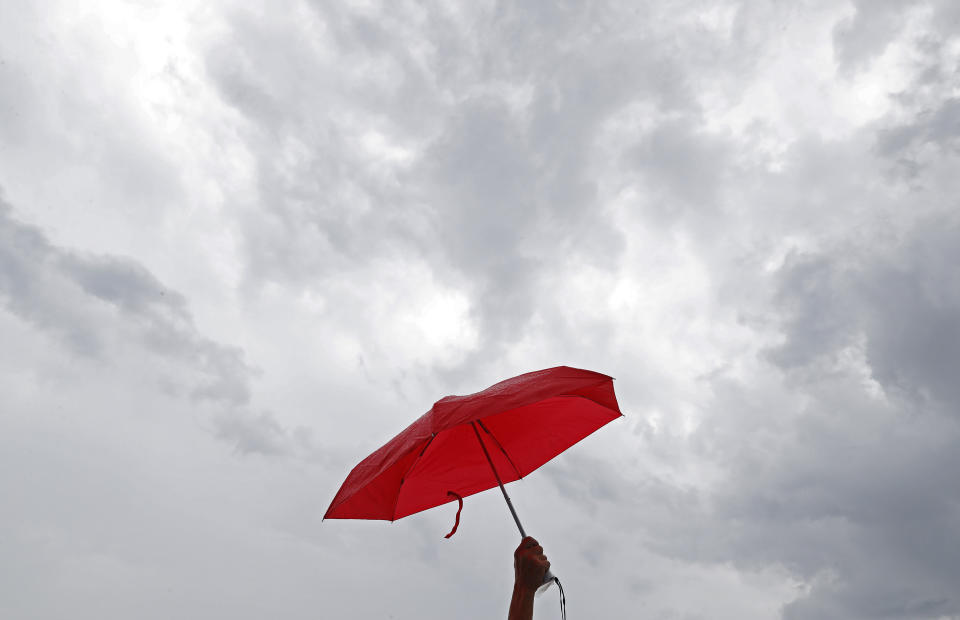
523, 589
521, 604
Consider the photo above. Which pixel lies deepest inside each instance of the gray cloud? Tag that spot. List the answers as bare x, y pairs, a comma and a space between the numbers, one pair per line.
817, 322
908, 145
853, 490
903, 304
97, 305
682, 168
866, 516
859, 39
25, 256
494, 193
261, 434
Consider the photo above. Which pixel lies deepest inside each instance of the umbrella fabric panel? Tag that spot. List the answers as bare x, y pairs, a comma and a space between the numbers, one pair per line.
376, 499
601, 393
534, 434
453, 462
523, 390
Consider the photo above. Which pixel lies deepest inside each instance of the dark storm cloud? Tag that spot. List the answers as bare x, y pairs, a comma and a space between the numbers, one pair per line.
854, 491
850, 486
904, 304
913, 330
817, 322
856, 500
851, 495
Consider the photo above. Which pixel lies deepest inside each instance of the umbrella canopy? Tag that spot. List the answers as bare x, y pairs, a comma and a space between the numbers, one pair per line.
514, 426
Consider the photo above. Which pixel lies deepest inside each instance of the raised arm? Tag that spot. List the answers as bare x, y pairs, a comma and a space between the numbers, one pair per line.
530, 566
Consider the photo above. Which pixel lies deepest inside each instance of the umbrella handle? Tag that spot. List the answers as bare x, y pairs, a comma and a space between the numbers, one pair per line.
547, 582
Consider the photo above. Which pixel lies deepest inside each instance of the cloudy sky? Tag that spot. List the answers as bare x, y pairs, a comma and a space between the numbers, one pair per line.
244, 244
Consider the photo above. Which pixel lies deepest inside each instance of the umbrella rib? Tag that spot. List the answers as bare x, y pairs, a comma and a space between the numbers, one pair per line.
492, 436
499, 482
404, 477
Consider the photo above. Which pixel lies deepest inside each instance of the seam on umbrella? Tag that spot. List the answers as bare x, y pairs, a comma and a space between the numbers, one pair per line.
564, 395
592, 400
492, 436
607, 407
403, 478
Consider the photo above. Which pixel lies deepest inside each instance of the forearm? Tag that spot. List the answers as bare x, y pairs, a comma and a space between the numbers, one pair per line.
521, 604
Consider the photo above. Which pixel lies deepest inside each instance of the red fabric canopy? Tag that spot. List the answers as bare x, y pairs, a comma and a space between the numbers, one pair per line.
524, 422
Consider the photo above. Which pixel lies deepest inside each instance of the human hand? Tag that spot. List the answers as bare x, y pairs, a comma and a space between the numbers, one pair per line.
530, 565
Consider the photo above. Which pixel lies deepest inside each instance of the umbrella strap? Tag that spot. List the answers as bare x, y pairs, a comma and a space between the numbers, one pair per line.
456, 523
563, 600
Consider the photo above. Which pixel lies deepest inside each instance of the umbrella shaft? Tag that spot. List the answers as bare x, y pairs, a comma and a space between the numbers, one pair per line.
499, 482
513, 512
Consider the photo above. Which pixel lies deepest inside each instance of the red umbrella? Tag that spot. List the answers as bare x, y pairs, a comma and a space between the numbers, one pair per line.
468, 444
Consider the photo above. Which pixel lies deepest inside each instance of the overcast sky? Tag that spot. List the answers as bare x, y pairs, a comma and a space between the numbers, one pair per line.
242, 244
